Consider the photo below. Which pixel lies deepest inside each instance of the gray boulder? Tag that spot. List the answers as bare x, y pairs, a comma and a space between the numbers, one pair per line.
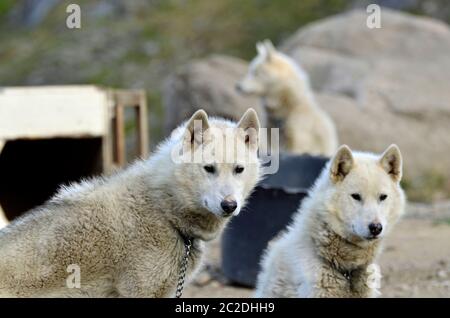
207, 84
383, 85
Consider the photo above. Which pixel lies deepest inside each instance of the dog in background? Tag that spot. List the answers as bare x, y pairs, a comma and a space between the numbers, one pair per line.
290, 103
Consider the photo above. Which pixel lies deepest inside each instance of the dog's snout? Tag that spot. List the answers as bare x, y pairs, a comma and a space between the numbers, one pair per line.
228, 206
375, 228
238, 87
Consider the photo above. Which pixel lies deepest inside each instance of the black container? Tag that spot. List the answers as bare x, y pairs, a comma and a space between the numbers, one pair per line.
268, 211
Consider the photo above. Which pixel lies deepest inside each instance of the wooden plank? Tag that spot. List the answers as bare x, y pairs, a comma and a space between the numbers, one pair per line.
108, 139
52, 111
120, 135
127, 97
142, 126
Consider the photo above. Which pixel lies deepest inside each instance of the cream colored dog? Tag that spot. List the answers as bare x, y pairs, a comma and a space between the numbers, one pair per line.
335, 238
290, 103
126, 234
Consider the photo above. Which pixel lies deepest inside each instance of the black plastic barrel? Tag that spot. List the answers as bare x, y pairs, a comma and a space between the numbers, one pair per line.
269, 210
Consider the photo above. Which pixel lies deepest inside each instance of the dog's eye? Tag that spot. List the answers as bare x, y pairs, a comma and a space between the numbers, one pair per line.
210, 168
239, 169
356, 196
383, 197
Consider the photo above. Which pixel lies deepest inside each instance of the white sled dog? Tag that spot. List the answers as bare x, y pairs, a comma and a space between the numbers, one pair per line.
128, 234
331, 247
290, 103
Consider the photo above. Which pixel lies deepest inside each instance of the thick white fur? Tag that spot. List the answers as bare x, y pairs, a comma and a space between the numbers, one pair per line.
290, 103
125, 232
329, 235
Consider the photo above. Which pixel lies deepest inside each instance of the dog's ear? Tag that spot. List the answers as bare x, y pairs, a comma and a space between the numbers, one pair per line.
269, 46
266, 49
249, 123
341, 164
270, 50
260, 48
196, 127
391, 161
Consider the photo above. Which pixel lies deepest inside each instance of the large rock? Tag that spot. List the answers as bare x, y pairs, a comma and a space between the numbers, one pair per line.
208, 84
381, 86
406, 62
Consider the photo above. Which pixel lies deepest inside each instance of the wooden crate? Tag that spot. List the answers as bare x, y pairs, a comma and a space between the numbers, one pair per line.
58, 134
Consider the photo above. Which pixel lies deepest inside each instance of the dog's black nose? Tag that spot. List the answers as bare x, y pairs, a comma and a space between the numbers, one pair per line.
228, 206
238, 87
375, 228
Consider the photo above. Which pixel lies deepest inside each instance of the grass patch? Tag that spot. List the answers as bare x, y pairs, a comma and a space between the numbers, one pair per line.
443, 221
430, 186
5, 7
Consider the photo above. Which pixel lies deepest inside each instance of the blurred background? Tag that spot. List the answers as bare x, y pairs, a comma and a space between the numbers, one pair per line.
380, 86
137, 44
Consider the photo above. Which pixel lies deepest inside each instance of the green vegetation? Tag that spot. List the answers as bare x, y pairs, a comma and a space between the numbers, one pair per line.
140, 46
234, 26
5, 7
428, 187
442, 221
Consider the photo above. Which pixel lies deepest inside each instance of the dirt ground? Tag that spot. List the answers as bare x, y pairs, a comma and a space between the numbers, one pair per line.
415, 261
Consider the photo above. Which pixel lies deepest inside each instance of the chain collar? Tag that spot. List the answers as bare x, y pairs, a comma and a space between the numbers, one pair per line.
184, 265
347, 274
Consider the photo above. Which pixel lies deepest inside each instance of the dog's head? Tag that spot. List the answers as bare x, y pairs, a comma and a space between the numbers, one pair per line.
365, 197
222, 165
268, 72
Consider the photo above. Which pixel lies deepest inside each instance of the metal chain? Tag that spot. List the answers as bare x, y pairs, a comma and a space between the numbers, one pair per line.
183, 269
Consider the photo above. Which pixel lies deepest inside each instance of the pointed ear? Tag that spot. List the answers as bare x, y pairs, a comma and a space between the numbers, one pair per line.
391, 161
260, 48
270, 50
196, 127
269, 46
249, 123
341, 164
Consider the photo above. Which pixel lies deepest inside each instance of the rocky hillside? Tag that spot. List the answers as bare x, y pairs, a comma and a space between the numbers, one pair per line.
135, 44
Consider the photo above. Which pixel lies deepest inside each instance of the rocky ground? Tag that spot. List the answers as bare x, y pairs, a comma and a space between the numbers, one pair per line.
415, 261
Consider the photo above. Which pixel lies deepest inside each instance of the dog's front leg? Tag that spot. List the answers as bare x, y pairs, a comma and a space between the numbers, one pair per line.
150, 287
146, 276
365, 283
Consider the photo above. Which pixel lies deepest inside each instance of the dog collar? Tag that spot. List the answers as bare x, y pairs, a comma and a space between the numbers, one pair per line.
184, 264
347, 274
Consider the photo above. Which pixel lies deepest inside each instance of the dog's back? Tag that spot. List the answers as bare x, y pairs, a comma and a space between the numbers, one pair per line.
97, 227
37, 250
126, 235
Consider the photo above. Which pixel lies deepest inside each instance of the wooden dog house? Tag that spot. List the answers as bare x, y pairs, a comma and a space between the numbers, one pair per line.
53, 135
